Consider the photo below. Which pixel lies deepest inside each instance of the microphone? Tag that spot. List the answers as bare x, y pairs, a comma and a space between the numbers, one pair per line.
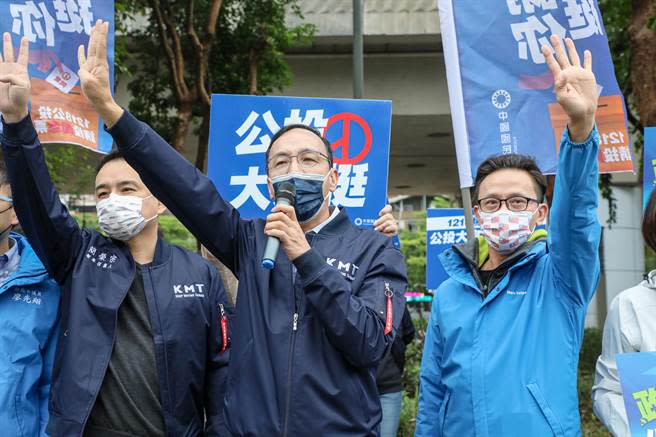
285, 195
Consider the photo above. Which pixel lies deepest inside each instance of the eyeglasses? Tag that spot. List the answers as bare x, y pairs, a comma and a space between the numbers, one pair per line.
308, 160
515, 203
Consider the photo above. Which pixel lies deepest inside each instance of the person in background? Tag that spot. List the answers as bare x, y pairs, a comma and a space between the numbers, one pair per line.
389, 377
29, 324
630, 327
144, 345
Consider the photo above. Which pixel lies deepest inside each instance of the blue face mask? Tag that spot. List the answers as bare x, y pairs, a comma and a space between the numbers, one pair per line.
309, 193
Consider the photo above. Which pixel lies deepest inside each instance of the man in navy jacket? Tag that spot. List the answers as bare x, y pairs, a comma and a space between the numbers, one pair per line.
143, 348
308, 334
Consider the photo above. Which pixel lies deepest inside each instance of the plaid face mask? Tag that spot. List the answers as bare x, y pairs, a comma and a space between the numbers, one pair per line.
505, 231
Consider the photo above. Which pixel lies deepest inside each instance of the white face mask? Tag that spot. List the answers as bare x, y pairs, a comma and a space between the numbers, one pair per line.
120, 216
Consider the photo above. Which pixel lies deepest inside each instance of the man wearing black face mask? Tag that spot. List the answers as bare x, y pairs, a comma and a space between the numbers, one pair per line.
310, 333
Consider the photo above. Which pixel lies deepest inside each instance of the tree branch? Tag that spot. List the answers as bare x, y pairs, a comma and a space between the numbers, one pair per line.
179, 55
253, 60
170, 56
213, 20
201, 56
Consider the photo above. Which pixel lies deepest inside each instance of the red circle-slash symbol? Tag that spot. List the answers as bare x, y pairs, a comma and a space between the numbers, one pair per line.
344, 142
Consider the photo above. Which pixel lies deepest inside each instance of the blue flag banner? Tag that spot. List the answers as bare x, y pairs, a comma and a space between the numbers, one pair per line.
501, 91
358, 130
638, 380
444, 228
648, 164
55, 29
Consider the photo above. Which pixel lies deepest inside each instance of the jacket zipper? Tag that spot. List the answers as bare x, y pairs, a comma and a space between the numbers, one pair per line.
104, 373
290, 364
166, 361
291, 352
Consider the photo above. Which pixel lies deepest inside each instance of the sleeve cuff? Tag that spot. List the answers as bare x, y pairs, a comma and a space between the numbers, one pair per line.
127, 131
310, 264
22, 132
592, 138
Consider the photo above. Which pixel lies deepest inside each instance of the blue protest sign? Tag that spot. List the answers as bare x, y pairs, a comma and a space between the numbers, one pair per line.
648, 164
444, 228
358, 130
638, 380
501, 92
55, 29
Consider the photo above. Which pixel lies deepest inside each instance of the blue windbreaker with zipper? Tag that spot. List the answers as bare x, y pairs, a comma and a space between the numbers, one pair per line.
29, 326
504, 363
95, 274
309, 334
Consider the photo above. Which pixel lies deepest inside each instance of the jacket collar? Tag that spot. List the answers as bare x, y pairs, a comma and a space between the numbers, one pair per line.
162, 251
30, 268
338, 225
476, 252
461, 261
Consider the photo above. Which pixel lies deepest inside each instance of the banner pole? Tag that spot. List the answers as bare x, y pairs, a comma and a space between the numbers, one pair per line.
358, 49
467, 208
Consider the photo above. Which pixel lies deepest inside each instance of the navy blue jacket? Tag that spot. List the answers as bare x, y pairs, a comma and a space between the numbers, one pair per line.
184, 294
306, 343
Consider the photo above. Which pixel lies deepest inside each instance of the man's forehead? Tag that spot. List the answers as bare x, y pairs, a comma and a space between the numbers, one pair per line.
508, 181
116, 172
296, 140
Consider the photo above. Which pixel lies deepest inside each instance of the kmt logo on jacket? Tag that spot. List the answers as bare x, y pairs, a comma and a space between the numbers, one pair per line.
191, 290
346, 269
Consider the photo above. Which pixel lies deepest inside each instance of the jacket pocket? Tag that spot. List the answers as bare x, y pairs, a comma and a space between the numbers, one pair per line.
547, 412
444, 409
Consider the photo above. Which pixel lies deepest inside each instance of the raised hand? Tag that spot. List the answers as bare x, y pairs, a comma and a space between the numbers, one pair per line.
575, 85
14, 81
386, 224
94, 74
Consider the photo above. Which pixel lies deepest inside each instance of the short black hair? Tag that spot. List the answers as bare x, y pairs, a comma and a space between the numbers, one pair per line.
649, 222
511, 161
281, 132
111, 156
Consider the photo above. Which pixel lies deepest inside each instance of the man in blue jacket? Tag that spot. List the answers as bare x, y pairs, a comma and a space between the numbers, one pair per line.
309, 334
501, 349
143, 348
29, 318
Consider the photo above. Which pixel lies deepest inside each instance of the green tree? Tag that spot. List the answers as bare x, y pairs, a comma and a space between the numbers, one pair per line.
631, 29
191, 49
71, 169
413, 246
